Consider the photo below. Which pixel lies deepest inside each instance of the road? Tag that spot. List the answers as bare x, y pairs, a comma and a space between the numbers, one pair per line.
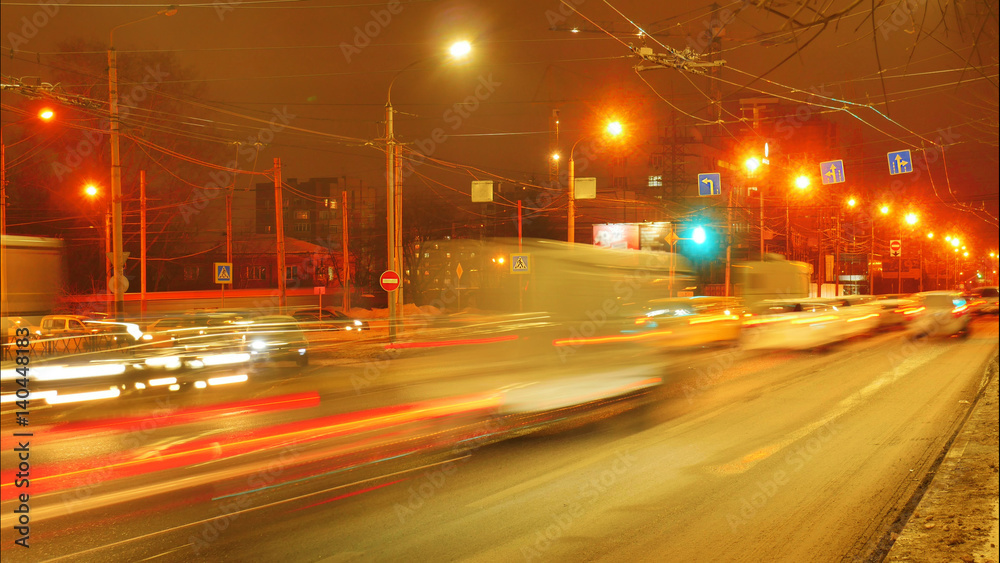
744, 457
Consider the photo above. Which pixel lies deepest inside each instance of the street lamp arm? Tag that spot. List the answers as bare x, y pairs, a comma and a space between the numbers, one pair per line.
169, 11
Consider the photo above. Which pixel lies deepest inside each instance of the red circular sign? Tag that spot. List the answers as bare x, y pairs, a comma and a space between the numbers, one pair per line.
895, 245
389, 280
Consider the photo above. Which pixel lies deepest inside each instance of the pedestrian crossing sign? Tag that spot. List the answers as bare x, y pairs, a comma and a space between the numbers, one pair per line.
223, 272
520, 264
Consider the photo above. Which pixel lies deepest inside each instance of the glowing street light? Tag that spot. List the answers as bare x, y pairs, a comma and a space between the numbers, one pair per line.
911, 219
394, 190
46, 114
752, 164
555, 156
852, 202
460, 49
802, 182
91, 190
613, 129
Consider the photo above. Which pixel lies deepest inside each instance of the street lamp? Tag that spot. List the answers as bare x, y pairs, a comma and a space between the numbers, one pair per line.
118, 258
394, 189
613, 129
45, 114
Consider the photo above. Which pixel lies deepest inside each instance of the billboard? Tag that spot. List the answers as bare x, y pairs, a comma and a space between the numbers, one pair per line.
617, 235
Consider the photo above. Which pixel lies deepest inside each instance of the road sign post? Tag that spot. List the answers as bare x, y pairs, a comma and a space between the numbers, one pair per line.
223, 276
900, 162
832, 172
389, 280
709, 184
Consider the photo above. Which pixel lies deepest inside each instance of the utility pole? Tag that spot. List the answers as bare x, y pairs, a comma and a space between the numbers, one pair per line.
390, 200
279, 226
836, 259
571, 204
729, 245
117, 260
229, 212
142, 242
347, 259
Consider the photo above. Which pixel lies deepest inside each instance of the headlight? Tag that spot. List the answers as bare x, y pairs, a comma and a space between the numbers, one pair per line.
357, 322
147, 336
258, 345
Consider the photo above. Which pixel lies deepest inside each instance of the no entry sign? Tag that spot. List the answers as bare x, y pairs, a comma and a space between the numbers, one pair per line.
389, 280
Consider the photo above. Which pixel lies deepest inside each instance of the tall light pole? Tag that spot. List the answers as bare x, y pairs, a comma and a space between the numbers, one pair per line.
45, 115
118, 255
613, 129
752, 164
394, 192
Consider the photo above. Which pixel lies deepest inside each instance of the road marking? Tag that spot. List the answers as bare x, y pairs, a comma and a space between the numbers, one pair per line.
911, 363
252, 508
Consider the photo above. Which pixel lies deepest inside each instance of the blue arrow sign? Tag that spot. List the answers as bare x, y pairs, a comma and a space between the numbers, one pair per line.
900, 162
709, 184
832, 171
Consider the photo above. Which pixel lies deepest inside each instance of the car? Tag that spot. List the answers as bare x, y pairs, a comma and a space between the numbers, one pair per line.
897, 310
940, 313
315, 318
196, 332
790, 324
983, 300
276, 337
55, 326
689, 321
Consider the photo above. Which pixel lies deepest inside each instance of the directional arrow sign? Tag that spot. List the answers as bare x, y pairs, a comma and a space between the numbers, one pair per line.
832, 171
709, 184
900, 162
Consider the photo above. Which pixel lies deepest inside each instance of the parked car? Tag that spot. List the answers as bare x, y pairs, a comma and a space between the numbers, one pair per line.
276, 337
314, 318
983, 300
196, 332
940, 313
56, 326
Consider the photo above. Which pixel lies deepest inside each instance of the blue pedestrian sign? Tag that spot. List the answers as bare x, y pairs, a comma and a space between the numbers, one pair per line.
520, 263
709, 184
223, 272
900, 162
832, 171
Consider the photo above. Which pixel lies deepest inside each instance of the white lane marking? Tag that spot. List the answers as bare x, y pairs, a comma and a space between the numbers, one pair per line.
894, 373
252, 508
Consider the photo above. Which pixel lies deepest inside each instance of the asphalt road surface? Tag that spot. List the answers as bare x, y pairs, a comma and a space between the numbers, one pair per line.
743, 457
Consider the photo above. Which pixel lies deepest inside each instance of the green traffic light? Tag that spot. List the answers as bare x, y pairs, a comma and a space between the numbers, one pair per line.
699, 235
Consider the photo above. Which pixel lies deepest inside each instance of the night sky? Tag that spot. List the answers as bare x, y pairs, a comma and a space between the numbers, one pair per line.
323, 68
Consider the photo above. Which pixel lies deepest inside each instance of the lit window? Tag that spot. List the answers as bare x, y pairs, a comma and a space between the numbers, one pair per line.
302, 215
655, 181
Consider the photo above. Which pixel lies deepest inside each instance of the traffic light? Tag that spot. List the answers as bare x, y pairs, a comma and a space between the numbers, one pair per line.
698, 235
